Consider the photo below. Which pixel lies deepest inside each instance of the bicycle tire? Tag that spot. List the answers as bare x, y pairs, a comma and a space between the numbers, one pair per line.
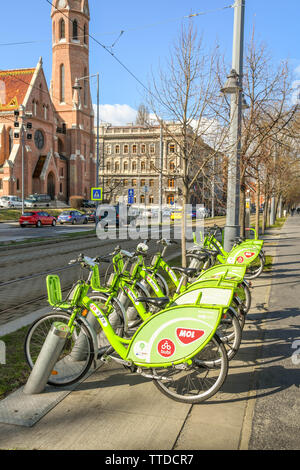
230, 333
201, 380
67, 370
251, 271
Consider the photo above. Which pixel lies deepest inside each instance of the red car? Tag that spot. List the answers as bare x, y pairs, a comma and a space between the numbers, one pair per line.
37, 218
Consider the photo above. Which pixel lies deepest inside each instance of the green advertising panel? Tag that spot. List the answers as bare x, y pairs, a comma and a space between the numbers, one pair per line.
227, 271
173, 335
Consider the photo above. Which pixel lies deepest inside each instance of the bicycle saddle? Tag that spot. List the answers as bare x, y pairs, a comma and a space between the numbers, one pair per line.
187, 271
158, 301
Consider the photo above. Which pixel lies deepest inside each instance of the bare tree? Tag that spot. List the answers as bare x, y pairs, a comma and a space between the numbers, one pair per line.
142, 118
184, 103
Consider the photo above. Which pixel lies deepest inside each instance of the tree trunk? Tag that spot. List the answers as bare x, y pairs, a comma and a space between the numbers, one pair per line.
242, 211
257, 206
183, 225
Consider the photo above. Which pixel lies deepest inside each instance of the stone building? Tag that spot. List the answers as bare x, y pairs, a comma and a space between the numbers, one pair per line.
130, 158
58, 138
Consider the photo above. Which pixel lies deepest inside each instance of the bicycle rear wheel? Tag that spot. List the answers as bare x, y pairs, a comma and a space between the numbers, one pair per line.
230, 333
76, 356
199, 381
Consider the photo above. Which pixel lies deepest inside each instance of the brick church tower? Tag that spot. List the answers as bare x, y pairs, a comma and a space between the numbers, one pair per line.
71, 94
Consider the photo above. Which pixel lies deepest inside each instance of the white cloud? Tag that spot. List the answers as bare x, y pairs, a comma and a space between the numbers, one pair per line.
116, 114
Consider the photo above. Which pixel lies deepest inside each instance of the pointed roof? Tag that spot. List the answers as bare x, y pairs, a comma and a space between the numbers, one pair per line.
14, 85
76, 5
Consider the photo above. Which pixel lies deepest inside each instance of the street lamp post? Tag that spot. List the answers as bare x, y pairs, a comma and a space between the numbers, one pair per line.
234, 88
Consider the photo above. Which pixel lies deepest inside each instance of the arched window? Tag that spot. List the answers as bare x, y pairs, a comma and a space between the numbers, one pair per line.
62, 83
142, 199
125, 166
133, 166
10, 140
117, 167
172, 166
62, 29
108, 166
143, 166
85, 34
75, 30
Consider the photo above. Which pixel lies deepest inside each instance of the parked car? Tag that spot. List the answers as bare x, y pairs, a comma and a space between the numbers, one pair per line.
176, 214
38, 200
10, 202
110, 214
86, 204
37, 218
91, 216
72, 217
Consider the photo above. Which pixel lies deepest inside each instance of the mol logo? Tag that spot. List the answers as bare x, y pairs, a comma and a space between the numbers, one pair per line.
188, 335
249, 254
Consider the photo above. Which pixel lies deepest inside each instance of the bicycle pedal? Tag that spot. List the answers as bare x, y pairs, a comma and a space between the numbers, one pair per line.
102, 351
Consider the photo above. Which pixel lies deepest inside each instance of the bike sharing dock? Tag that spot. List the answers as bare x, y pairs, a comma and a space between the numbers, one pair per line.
257, 408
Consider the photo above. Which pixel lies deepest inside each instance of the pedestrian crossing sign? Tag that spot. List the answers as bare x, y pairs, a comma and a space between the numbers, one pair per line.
96, 194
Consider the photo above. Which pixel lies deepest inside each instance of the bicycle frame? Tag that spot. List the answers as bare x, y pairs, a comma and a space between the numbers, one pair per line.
171, 337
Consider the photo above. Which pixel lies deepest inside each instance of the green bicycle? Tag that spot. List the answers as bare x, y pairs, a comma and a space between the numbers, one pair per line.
177, 348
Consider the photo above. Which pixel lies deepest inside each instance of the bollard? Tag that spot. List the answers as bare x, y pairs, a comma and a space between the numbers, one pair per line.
79, 351
47, 359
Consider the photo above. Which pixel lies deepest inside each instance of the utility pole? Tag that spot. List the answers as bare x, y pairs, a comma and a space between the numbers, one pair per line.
24, 116
234, 87
160, 179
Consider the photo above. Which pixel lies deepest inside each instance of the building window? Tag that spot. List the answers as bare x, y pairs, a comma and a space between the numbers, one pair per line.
117, 166
152, 148
151, 183
142, 198
172, 166
18, 184
75, 30
60, 188
85, 88
108, 166
143, 182
62, 29
126, 148
125, 166
85, 34
170, 199
133, 166
171, 183
133, 183
143, 148
151, 199
172, 148
108, 149
143, 166
62, 83
61, 172
134, 149
125, 182
117, 149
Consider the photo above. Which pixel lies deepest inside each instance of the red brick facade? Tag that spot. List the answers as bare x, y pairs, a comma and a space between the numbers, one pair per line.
59, 156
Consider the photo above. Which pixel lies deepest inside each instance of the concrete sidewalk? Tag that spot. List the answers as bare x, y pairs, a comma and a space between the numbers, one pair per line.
113, 409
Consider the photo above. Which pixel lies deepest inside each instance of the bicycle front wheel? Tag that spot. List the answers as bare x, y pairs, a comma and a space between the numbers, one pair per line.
76, 356
196, 382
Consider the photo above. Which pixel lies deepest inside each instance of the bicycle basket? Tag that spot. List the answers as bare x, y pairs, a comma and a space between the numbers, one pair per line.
53, 289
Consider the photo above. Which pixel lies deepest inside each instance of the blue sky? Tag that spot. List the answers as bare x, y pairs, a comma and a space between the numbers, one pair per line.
150, 28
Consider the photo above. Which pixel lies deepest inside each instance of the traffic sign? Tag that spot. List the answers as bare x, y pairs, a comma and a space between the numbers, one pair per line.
96, 194
130, 196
